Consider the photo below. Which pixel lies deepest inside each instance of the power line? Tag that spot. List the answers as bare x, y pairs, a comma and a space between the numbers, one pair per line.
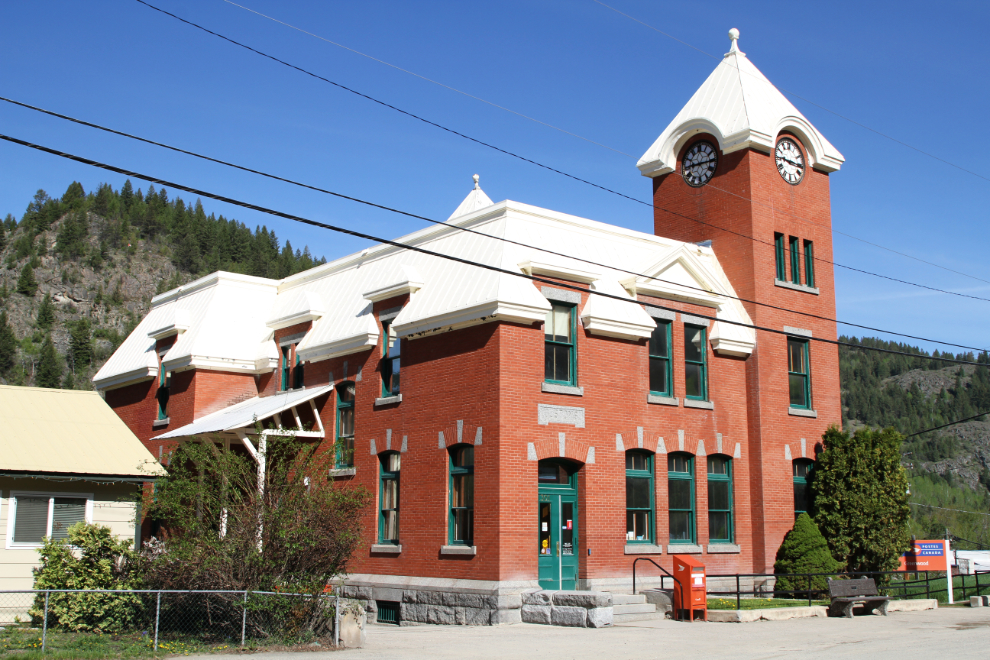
429, 80
942, 508
958, 421
541, 165
432, 253
819, 106
465, 229
712, 186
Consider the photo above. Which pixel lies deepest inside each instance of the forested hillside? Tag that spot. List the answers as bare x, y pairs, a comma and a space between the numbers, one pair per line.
948, 468
78, 272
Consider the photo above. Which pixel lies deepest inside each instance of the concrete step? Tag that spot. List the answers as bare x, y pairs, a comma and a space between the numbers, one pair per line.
634, 608
642, 616
627, 599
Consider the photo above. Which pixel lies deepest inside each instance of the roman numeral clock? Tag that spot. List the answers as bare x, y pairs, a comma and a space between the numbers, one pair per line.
790, 161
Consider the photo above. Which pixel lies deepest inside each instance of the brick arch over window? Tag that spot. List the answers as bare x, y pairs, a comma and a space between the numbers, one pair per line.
573, 449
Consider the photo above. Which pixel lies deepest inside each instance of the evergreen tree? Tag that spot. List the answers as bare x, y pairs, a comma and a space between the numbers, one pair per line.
74, 195
26, 284
49, 371
46, 314
127, 195
860, 498
80, 345
3, 236
8, 344
804, 550
71, 238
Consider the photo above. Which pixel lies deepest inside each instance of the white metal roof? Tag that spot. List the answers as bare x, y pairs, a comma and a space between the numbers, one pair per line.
741, 108
244, 414
231, 317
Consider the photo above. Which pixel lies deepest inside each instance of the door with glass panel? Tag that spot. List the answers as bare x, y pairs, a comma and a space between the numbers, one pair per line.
557, 522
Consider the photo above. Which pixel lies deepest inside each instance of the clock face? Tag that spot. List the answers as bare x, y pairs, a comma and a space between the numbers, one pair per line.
698, 165
790, 161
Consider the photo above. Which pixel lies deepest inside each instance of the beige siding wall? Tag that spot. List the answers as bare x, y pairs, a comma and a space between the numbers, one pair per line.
113, 506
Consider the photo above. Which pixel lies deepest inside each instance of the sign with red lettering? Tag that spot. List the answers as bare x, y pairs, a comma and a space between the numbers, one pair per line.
925, 556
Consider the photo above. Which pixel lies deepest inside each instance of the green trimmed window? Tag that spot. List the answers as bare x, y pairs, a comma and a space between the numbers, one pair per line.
345, 425
297, 372
661, 381
720, 499
680, 497
286, 367
695, 363
639, 497
795, 250
390, 360
809, 264
164, 388
388, 519
798, 373
778, 247
461, 495
802, 495
560, 355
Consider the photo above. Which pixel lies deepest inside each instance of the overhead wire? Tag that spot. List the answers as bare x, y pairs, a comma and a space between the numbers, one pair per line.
465, 229
600, 144
958, 421
433, 253
932, 506
541, 165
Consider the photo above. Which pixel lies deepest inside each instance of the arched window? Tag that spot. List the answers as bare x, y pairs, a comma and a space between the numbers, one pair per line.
388, 524
345, 425
462, 495
720, 528
680, 497
802, 496
639, 497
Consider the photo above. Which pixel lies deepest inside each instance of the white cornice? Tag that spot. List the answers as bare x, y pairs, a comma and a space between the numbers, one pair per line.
559, 271
129, 378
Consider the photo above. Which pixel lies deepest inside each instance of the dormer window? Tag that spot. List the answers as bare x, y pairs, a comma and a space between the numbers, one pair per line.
290, 365
164, 385
391, 349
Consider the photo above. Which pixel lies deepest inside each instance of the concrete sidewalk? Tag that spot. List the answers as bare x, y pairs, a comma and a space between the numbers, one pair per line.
958, 632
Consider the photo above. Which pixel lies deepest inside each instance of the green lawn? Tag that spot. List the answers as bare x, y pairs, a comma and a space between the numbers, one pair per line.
758, 603
25, 644
918, 591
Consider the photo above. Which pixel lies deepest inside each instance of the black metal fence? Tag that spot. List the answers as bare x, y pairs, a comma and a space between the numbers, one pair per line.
163, 619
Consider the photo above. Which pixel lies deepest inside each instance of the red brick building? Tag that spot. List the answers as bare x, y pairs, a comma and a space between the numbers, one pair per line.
519, 434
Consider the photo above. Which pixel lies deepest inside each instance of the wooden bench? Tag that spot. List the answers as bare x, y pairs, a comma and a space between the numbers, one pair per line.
846, 594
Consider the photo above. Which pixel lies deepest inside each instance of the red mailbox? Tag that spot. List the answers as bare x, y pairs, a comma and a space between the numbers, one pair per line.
690, 588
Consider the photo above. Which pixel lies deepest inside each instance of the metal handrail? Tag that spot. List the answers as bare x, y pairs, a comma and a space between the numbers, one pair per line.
639, 559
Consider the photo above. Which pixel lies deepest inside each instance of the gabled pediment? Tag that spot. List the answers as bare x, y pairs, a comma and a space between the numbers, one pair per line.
679, 275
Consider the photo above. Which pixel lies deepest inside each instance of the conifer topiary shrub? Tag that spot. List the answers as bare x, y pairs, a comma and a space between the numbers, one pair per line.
804, 550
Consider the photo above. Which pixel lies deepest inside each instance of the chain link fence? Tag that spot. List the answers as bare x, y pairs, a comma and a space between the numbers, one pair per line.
168, 621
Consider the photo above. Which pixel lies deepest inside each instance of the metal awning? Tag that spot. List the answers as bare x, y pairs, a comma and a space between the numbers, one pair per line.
242, 415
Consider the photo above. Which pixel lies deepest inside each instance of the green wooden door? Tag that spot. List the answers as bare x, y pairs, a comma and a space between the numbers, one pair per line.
557, 528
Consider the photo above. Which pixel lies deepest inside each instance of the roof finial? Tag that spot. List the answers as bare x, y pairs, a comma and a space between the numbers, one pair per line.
734, 36
476, 178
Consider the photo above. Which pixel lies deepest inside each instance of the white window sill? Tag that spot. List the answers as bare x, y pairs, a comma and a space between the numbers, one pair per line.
663, 400
801, 412
388, 400
704, 405
684, 549
343, 472
458, 550
796, 287
159, 422
643, 549
723, 549
562, 389
386, 548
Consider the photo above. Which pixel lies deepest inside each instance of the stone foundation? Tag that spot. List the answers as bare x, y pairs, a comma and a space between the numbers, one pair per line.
578, 609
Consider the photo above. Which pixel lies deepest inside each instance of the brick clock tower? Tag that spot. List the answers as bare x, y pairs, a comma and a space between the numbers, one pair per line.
741, 167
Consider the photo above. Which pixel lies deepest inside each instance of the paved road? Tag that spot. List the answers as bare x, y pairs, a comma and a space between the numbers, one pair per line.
930, 635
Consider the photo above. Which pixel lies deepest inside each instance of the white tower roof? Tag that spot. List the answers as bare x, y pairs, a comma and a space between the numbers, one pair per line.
476, 199
741, 108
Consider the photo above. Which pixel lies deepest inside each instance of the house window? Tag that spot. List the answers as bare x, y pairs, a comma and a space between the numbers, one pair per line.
795, 260
286, 354
798, 373
639, 497
388, 524
778, 246
809, 264
345, 425
462, 495
680, 497
802, 497
560, 365
297, 371
660, 376
164, 387
390, 360
35, 516
695, 364
720, 499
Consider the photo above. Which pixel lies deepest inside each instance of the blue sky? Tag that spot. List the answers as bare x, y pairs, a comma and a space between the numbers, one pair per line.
902, 69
